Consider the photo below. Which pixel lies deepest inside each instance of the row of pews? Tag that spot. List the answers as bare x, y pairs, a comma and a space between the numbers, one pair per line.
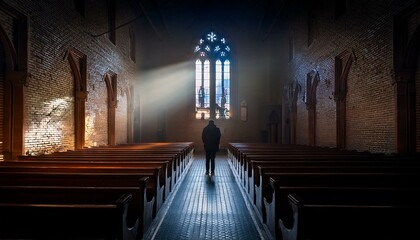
303, 192
111, 192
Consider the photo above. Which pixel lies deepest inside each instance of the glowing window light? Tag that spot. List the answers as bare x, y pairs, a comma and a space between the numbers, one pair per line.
212, 70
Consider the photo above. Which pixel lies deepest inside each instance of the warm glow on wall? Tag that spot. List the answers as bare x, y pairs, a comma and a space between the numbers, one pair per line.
1, 155
45, 135
90, 130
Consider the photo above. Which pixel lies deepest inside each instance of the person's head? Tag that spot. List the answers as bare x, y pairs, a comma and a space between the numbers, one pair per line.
211, 122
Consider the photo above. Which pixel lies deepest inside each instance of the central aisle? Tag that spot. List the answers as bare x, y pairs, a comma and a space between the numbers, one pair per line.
204, 208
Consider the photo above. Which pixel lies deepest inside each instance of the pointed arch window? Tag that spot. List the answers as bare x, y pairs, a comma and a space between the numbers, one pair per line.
212, 77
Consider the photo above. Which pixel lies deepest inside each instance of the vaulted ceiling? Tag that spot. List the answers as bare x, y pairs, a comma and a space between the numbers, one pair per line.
256, 17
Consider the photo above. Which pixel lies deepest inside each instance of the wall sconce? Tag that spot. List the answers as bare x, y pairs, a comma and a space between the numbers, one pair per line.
244, 111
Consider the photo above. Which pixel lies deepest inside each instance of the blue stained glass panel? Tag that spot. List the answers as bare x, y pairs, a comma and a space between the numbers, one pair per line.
212, 50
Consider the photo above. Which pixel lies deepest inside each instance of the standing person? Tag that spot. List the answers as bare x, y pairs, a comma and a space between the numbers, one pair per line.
211, 139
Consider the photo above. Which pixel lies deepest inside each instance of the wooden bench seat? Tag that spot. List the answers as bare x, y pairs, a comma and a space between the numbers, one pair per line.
89, 177
180, 156
119, 169
60, 213
235, 149
251, 174
274, 197
186, 148
84, 165
307, 167
240, 151
244, 170
96, 180
258, 179
244, 167
347, 214
181, 151
174, 164
156, 170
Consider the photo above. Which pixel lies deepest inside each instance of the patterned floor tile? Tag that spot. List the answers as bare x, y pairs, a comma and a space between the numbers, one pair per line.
206, 208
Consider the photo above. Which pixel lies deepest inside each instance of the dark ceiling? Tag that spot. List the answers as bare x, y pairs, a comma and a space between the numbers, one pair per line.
256, 17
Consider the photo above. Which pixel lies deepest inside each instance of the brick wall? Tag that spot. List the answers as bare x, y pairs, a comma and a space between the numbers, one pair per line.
54, 27
260, 70
366, 28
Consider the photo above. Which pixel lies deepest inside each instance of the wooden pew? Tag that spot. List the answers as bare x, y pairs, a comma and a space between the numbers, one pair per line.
258, 180
303, 161
65, 213
132, 159
242, 150
186, 148
182, 150
316, 156
251, 174
280, 184
143, 189
174, 170
319, 156
85, 164
89, 177
347, 214
278, 152
242, 165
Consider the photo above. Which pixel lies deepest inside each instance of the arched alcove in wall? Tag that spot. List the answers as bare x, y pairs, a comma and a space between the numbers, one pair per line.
14, 55
343, 63
312, 80
406, 55
111, 86
78, 65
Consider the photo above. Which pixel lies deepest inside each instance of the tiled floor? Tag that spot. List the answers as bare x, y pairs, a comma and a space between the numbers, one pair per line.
206, 208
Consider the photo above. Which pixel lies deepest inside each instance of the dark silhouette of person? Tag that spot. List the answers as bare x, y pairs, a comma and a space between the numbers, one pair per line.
211, 139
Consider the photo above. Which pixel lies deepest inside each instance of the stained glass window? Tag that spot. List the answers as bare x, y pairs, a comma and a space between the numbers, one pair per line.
212, 77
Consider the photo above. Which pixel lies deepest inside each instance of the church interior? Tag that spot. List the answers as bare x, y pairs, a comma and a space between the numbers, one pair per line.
99, 97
